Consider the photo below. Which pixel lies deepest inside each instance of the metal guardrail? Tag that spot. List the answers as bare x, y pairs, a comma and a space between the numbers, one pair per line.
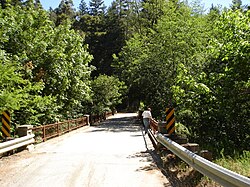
219, 174
16, 143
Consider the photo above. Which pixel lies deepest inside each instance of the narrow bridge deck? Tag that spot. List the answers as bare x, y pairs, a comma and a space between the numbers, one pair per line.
112, 154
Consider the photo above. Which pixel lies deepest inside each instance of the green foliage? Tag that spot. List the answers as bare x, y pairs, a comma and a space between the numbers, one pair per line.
149, 62
214, 103
15, 91
236, 4
83, 8
239, 163
164, 51
52, 57
228, 74
181, 129
64, 13
19, 94
96, 7
201, 63
107, 93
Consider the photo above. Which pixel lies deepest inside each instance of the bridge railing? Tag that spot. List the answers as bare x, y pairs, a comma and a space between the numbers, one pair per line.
45, 132
217, 173
29, 134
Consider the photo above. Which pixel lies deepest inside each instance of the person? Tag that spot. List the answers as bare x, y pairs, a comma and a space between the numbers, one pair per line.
147, 116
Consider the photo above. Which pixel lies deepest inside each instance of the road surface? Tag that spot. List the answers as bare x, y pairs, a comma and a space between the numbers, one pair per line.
113, 154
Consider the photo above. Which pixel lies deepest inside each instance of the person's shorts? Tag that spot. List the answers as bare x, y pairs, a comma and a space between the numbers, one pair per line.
146, 122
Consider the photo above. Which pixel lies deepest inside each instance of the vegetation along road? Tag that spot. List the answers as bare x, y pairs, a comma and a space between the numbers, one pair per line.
115, 153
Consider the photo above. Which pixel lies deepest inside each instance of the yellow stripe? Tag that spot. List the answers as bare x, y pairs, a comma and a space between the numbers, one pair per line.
5, 132
172, 130
170, 114
6, 115
170, 123
5, 124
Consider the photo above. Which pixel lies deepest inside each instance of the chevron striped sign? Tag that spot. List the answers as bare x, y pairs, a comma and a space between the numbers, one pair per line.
5, 124
170, 120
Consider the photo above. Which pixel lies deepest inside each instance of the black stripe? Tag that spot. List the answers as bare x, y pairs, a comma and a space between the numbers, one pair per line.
8, 130
5, 119
171, 117
7, 112
169, 110
170, 128
4, 135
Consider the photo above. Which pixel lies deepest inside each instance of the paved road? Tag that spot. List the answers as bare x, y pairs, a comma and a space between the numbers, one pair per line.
114, 154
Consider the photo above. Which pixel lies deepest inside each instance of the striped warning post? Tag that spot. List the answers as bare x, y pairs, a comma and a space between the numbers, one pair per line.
170, 120
5, 124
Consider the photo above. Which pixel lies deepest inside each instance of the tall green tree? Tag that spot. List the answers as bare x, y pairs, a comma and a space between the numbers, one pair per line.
65, 12
149, 62
236, 4
83, 8
214, 102
93, 29
52, 55
19, 94
229, 77
107, 93
151, 12
96, 7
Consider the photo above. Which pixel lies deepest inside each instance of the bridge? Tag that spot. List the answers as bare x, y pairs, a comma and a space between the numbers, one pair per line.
114, 153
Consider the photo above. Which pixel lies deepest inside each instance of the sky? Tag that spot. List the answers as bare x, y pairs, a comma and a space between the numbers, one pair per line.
207, 3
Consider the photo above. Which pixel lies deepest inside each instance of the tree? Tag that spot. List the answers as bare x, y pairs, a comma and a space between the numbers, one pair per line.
94, 30
236, 4
206, 99
197, 7
83, 8
151, 12
4, 3
54, 56
228, 73
148, 63
107, 93
96, 7
65, 11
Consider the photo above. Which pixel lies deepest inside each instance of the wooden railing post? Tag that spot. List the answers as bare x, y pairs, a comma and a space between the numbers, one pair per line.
44, 133
58, 130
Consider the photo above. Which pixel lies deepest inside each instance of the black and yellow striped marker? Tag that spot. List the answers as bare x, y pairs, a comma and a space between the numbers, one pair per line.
170, 120
5, 124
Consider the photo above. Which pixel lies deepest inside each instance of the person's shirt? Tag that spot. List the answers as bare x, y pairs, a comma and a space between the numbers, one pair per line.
146, 114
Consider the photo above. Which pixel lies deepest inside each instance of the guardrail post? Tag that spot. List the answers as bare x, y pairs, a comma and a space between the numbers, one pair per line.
24, 130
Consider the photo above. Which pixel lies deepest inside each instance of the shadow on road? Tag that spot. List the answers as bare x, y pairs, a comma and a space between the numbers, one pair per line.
132, 124
124, 124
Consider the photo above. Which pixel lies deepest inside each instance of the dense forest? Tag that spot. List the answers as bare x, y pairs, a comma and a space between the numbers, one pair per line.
62, 63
